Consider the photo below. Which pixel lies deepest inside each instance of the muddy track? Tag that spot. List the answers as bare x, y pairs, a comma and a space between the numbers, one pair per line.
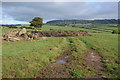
56, 70
93, 60
60, 70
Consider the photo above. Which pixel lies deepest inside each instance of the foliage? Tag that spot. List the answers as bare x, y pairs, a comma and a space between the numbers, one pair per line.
116, 32
37, 22
68, 22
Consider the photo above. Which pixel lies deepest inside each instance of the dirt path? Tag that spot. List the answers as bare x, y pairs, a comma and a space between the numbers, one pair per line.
93, 60
59, 70
56, 70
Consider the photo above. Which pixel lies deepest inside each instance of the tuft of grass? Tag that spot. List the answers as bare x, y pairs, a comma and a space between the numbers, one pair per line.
77, 74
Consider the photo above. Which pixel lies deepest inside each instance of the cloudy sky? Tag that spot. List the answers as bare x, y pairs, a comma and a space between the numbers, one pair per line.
23, 12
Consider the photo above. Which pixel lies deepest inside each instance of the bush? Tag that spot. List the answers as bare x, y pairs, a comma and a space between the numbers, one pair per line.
27, 27
116, 32
12, 26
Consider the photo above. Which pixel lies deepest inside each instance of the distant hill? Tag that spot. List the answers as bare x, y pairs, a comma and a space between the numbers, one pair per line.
69, 22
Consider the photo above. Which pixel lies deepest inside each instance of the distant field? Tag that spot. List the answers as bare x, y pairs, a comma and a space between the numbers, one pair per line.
47, 27
98, 27
37, 54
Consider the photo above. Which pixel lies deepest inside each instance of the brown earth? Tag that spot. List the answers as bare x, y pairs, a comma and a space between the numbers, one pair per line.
57, 70
23, 34
59, 33
93, 60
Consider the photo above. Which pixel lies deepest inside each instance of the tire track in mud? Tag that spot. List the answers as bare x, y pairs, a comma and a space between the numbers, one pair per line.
93, 60
60, 70
56, 70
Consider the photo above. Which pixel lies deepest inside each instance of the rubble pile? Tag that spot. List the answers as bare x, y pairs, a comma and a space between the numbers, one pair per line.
23, 34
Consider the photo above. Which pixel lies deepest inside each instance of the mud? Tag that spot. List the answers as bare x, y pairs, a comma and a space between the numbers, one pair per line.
93, 60
58, 70
53, 33
55, 69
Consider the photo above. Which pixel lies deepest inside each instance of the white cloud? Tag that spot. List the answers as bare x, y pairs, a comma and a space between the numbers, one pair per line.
60, 0
12, 22
24, 12
9, 20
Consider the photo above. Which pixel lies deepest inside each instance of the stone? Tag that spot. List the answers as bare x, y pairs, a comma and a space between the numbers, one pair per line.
44, 38
23, 31
25, 36
13, 39
55, 48
11, 33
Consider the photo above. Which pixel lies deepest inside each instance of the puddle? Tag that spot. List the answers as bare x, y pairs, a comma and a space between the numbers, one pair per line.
60, 61
66, 57
68, 42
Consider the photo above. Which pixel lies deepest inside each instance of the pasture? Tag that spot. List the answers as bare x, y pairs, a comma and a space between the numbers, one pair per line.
25, 59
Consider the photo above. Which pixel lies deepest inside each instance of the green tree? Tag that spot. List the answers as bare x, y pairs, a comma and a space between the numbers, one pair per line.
36, 22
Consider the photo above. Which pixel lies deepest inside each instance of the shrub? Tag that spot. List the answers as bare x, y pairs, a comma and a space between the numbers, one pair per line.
116, 32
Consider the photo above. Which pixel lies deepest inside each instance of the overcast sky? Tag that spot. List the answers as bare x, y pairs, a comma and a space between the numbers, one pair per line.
23, 12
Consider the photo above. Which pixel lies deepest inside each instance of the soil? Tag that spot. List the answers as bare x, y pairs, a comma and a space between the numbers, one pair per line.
57, 70
36, 35
59, 33
93, 60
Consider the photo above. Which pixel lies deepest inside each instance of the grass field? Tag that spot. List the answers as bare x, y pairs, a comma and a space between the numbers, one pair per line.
25, 59
99, 27
107, 46
47, 27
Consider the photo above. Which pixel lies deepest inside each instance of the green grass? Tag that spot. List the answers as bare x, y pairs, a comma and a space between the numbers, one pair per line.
48, 27
25, 59
99, 27
107, 46
107, 27
77, 70
4, 30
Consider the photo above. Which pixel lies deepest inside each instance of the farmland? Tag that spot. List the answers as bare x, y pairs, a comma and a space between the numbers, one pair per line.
29, 59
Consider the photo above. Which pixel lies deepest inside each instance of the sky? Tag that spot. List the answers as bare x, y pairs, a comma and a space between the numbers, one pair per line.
23, 12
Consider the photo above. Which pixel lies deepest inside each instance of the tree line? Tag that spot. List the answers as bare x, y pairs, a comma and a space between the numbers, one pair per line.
68, 22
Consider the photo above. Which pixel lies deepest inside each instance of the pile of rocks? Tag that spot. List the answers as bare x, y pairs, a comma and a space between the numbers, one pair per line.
23, 34
14, 35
